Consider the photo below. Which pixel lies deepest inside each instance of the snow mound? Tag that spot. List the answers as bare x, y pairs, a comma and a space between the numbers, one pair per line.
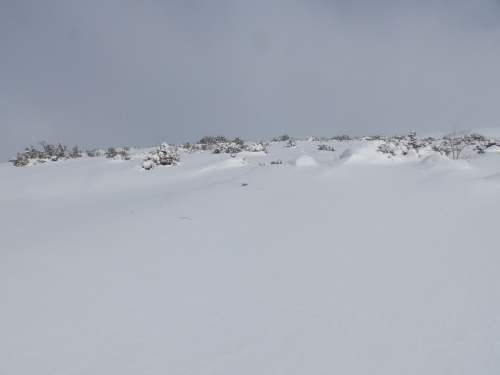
304, 161
231, 162
413, 154
326, 158
237, 161
362, 153
438, 162
493, 148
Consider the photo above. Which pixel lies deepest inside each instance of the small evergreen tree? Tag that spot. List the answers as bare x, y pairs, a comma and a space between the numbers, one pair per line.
111, 153
75, 153
412, 140
48, 149
61, 151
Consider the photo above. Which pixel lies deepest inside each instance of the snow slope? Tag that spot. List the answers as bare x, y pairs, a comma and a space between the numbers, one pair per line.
321, 265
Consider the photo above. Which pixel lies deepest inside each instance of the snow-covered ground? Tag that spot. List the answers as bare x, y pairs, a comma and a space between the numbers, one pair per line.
321, 265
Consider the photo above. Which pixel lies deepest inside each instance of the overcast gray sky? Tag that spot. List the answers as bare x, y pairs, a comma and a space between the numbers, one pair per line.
110, 73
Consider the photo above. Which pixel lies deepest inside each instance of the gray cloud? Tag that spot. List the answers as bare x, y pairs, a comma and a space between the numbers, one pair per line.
124, 72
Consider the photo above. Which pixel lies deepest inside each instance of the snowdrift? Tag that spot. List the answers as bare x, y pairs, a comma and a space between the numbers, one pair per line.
363, 153
440, 163
304, 161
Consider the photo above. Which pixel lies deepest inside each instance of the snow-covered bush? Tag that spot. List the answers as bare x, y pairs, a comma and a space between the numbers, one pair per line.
221, 145
441, 146
312, 138
228, 147
32, 155
54, 153
166, 156
119, 153
342, 138
148, 163
460, 147
284, 138
376, 137
191, 148
94, 153
399, 145
123, 154
111, 153
454, 146
279, 161
163, 155
208, 141
19, 160
427, 141
258, 147
75, 153
291, 143
451, 146
477, 138
482, 147
393, 148
323, 147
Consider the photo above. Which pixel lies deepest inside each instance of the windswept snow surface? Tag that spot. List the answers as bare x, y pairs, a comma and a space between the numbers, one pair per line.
320, 265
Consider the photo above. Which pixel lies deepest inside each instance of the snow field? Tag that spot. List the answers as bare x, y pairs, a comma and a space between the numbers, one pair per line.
332, 263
